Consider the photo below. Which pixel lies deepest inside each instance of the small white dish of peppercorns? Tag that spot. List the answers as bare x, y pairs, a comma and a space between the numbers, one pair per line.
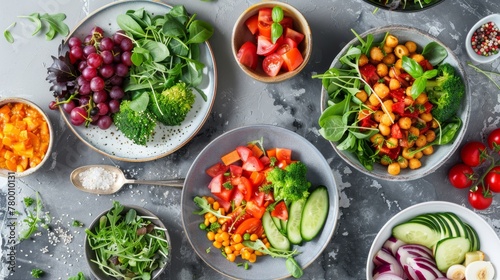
483, 40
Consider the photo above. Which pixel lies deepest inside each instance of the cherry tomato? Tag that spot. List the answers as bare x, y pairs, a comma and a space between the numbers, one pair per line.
480, 198
252, 24
472, 153
494, 140
247, 55
492, 179
265, 19
216, 169
280, 211
265, 46
292, 59
294, 35
460, 176
272, 64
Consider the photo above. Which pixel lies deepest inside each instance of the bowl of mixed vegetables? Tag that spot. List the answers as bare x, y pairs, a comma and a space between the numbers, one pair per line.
404, 5
395, 103
127, 242
432, 240
271, 41
259, 202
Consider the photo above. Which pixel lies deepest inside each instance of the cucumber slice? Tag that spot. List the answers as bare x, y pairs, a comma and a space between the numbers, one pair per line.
450, 251
416, 233
460, 224
314, 214
277, 222
276, 239
294, 218
473, 237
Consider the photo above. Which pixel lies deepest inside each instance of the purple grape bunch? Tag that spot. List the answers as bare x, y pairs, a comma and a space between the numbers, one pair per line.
101, 64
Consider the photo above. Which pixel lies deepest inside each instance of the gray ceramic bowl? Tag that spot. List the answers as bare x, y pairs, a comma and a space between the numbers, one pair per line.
488, 238
30, 170
90, 254
441, 153
408, 6
319, 173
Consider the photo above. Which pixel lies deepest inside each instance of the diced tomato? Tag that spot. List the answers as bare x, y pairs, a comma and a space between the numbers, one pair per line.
286, 45
253, 164
265, 20
252, 24
369, 73
391, 153
259, 197
284, 154
265, 160
280, 211
244, 152
428, 107
215, 185
235, 170
246, 188
216, 169
265, 46
292, 59
426, 65
237, 217
237, 197
398, 94
401, 109
250, 225
282, 164
286, 22
294, 35
224, 194
247, 55
254, 209
272, 64
396, 131
367, 122
225, 204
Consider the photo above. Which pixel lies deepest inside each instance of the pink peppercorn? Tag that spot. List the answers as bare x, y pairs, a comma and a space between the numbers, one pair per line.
486, 39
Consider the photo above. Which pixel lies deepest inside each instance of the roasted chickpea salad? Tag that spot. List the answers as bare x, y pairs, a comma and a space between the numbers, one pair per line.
392, 102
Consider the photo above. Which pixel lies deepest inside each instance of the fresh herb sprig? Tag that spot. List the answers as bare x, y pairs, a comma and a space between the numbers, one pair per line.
53, 23
37, 273
35, 219
128, 245
276, 28
206, 208
488, 74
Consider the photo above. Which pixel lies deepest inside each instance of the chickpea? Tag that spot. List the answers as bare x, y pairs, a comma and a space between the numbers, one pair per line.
403, 163
427, 117
404, 123
364, 114
417, 57
434, 124
421, 141
391, 41
408, 100
430, 135
407, 153
377, 139
428, 150
387, 49
418, 155
414, 131
411, 46
389, 59
381, 90
388, 105
414, 163
374, 100
387, 119
376, 54
392, 143
394, 71
382, 70
378, 115
399, 64
394, 168
385, 160
362, 95
408, 91
384, 129
401, 50
363, 60
422, 98
394, 84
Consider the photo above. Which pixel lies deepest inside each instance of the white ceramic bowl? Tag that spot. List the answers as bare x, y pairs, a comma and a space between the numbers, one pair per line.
28, 171
488, 238
441, 153
474, 56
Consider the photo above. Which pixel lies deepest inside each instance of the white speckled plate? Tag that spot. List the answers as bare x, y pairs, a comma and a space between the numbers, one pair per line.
167, 140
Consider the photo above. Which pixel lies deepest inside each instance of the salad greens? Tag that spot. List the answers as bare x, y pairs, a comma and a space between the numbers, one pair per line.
291, 264
126, 245
35, 219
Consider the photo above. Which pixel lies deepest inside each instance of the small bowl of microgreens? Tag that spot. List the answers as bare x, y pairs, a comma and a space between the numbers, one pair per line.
271, 41
127, 242
395, 103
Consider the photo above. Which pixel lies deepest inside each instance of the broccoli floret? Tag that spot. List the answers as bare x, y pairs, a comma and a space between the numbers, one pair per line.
136, 126
172, 105
289, 184
445, 92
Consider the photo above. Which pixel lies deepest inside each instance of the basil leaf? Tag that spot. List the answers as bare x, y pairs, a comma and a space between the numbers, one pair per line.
412, 67
199, 32
293, 267
430, 74
276, 31
56, 22
277, 14
35, 18
434, 53
418, 87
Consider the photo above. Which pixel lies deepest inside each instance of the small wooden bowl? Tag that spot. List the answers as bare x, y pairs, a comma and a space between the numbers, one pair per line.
241, 34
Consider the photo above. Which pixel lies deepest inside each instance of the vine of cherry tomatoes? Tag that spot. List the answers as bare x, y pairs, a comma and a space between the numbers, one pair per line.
462, 175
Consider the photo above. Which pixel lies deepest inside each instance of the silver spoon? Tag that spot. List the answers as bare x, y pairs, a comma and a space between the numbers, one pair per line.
118, 182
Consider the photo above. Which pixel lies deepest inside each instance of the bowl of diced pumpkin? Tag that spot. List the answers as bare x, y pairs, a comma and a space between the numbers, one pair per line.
26, 137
